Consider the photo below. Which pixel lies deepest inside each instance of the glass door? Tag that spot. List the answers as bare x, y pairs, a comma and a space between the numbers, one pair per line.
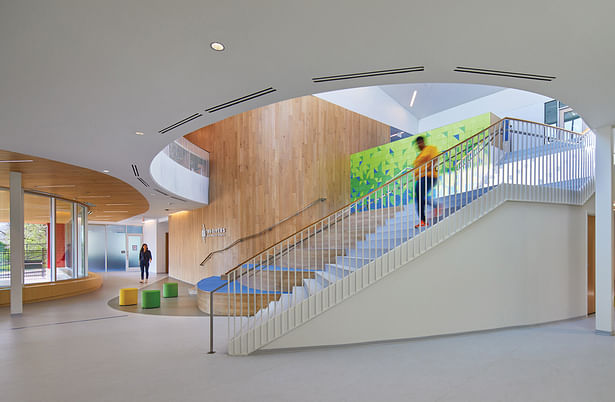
116, 248
134, 247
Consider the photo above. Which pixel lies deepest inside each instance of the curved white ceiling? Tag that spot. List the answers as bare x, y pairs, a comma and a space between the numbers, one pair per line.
79, 78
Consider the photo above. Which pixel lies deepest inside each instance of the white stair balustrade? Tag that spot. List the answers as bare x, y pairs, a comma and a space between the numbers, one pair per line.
338, 256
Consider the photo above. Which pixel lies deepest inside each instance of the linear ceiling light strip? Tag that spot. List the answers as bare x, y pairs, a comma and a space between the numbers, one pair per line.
499, 73
240, 100
368, 74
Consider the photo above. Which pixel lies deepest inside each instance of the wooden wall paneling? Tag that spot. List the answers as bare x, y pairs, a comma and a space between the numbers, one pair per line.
266, 164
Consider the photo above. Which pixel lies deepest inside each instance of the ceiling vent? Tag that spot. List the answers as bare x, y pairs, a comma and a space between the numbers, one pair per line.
510, 74
237, 101
180, 123
143, 182
135, 170
162, 192
176, 198
369, 74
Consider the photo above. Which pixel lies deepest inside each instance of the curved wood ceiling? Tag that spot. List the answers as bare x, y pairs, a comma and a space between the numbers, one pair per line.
110, 199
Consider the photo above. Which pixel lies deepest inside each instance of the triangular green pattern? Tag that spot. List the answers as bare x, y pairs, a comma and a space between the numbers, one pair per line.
400, 154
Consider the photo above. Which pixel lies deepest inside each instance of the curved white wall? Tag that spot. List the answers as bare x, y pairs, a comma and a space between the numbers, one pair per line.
180, 181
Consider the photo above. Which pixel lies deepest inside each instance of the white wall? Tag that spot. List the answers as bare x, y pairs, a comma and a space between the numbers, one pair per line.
524, 263
507, 103
374, 103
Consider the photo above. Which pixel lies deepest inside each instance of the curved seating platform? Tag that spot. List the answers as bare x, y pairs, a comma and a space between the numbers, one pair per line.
38, 292
238, 295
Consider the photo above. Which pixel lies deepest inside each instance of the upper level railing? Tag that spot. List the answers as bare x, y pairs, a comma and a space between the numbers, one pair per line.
331, 259
183, 168
189, 156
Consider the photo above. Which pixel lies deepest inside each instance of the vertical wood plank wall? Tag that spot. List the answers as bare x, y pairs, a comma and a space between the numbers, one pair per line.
266, 164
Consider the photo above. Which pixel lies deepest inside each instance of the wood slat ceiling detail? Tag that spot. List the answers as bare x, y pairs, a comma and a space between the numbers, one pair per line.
113, 199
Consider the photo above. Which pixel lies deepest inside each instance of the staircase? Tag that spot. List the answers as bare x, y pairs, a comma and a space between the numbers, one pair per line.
349, 250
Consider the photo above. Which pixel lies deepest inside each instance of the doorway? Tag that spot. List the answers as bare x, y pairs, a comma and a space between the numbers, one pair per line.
591, 264
134, 247
166, 252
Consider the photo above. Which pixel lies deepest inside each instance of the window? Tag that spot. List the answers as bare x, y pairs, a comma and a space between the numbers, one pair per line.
5, 267
37, 225
64, 241
551, 112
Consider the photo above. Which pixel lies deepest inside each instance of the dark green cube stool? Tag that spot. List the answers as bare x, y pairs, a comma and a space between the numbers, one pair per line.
169, 289
150, 298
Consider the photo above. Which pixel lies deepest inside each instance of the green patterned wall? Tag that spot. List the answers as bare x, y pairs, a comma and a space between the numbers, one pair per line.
373, 167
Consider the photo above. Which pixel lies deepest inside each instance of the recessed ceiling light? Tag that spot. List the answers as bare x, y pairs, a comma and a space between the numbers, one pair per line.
139, 133
106, 171
413, 98
17, 161
217, 46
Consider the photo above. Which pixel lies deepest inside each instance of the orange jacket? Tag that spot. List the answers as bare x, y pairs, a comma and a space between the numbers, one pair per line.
427, 154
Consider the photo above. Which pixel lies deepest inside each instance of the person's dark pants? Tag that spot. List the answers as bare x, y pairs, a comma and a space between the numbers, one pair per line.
421, 189
144, 269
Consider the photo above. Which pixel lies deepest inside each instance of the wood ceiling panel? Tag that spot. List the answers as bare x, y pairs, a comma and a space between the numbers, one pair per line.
110, 198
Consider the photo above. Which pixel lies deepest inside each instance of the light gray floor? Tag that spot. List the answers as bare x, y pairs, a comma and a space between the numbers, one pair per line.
120, 356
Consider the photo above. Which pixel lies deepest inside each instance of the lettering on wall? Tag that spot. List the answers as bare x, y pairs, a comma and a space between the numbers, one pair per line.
213, 232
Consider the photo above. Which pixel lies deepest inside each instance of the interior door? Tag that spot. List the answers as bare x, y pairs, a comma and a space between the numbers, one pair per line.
134, 247
166, 252
591, 264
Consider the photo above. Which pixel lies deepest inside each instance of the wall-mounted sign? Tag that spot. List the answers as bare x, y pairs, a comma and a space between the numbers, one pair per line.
214, 232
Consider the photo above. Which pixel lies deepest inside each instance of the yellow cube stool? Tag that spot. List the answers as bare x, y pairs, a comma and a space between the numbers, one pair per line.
129, 296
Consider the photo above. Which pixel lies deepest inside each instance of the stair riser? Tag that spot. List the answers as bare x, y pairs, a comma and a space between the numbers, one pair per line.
392, 234
352, 262
339, 270
367, 252
379, 243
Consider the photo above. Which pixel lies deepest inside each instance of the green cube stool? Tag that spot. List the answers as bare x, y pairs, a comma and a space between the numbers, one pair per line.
169, 289
150, 298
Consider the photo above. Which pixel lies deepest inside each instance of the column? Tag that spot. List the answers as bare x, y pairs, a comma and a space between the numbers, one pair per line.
605, 230
16, 242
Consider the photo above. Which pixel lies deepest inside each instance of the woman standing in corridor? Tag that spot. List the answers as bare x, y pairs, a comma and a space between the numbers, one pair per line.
145, 257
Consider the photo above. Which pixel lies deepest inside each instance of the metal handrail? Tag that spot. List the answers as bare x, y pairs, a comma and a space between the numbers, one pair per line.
270, 228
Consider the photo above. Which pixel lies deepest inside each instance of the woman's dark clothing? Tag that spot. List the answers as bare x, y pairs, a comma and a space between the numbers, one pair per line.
144, 259
144, 268
421, 190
